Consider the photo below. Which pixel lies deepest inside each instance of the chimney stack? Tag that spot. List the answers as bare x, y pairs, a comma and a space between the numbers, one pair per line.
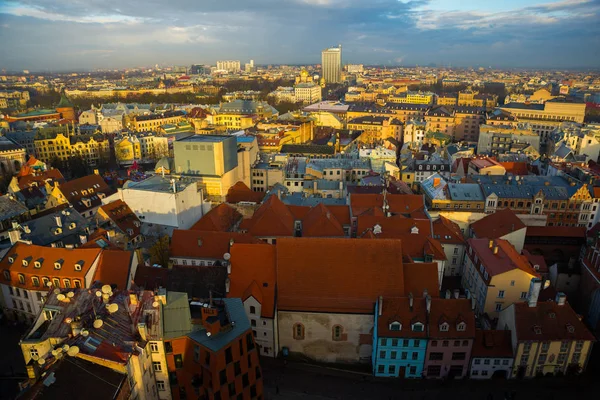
380, 306
410, 301
534, 292
142, 330
561, 298
491, 244
425, 292
495, 250
428, 302
58, 220
227, 285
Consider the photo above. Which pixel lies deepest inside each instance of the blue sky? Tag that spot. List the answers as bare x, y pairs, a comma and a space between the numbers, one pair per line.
82, 34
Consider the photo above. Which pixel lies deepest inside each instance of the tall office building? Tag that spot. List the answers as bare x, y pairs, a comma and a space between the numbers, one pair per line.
331, 64
229, 65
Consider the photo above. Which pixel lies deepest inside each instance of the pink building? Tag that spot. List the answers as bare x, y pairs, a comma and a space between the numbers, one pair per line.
451, 336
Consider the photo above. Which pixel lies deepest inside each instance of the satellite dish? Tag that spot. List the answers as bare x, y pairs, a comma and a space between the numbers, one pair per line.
106, 296
54, 352
68, 320
98, 293
66, 347
59, 356
70, 295
106, 289
56, 291
59, 349
73, 350
85, 333
49, 284
208, 333
112, 308
226, 256
35, 357
41, 361
60, 297
155, 304
98, 323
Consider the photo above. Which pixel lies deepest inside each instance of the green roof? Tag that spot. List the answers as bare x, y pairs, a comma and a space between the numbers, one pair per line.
177, 318
64, 102
35, 113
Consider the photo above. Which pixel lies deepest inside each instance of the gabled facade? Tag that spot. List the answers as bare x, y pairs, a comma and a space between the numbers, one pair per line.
492, 355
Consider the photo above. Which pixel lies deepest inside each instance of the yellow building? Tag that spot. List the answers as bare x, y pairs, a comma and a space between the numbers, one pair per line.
468, 98
413, 98
446, 99
440, 119
241, 114
467, 121
152, 122
140, 148
127, 150
496, 275
547, 337
56, 145
376, 128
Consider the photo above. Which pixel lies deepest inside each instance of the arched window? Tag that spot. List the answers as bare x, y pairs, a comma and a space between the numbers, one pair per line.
337, 332
252, 310
67, 283
298, 331
56, 282
45, 281
77, 283
7, 275
21, 279
35, 281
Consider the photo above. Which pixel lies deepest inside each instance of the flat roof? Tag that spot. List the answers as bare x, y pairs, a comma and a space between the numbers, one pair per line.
205, 138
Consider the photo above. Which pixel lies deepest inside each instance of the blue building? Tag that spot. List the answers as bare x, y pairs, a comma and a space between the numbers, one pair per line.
400, 337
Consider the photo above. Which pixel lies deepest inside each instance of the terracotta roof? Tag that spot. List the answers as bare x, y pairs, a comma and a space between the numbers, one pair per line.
222, 218
123, 217
535, 259
205, 245
596, 192
461, 163
553, 320
399, 310
273, 218
405, 203
360, 203
320, 222
40, 178
398, 187
447, 231
506, 259
515, 168
492, 344
419, 277
341, 213
47, 257
253, 274
114, 268
240, 192
498, 224
337, 275
559, 231
452, 311
87, 187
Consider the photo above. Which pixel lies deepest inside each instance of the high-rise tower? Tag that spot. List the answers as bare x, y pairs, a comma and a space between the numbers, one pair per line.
331, 64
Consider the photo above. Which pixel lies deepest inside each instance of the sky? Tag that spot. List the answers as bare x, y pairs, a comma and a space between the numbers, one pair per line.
59, 35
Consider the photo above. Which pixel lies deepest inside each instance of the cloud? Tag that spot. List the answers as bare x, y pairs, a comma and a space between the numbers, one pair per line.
116, 33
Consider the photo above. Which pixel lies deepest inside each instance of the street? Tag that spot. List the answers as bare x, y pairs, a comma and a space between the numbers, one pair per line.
304, 381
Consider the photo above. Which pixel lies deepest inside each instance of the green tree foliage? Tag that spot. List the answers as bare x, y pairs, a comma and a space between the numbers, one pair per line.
159, 252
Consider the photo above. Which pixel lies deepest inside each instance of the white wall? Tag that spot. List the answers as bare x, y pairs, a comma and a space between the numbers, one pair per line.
265, 338
481, 370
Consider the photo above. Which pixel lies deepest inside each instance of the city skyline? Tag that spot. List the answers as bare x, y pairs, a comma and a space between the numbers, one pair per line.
58, 36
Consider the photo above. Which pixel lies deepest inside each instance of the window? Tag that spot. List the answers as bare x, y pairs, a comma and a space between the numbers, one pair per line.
168, 347
475, 372
228, 355
223, 377
395, 326
337, 332
56, 282
7, 275
436, 356
545, 347
382, 354
444, 327
237, 369
459, 356
415, 355
253, 322
77, 283
434, 343
157, 366
67, 283
434, 370
542, 358
498, 306
380, 369
501, 294
298, 331
197, 353
160, 385
21, 279
496, 362
404, 355
526, 347
456, 343
416, 343
383, 342
178, 361
252, 310
231, 388
417, 327
35, 281
477, 361
575, 358
523, 295
393, 355
445, 343
33, 352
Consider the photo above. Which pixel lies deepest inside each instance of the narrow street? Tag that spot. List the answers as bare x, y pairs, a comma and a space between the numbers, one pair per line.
305, 381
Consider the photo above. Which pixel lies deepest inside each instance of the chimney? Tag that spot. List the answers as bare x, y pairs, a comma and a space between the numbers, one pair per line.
410, 301
561, 298
428, 302
58, 220
380, 306
161, 295
133, 299
210, 320
14, 235
227, 284
473, 303
495, 250
456, 293
315, 186
491, 244
534, 291
142, 330
425, 292
448, 294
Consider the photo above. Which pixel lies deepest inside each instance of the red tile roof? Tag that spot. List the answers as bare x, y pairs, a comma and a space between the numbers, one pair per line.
114, 268
222, 218
405, 203
452, 311
320, 222
535, 259
337, 275
253, 274
40, 178
122, 216
240, 192
447, 231
553, 320
506, 259
205, 245
88, 187
399, 310
492, 344
498, 224
558, 231
361, 203
515, 168
419, 277
273, 218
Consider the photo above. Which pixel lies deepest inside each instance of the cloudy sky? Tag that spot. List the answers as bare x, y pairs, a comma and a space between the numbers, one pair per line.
82, 34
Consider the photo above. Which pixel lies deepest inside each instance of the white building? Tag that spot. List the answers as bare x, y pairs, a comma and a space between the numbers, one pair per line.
229, 65
307, 92
492, 355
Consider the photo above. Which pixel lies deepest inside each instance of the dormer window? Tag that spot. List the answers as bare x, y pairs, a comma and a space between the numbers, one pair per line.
57, 230
537, 330
570, 328
84, 192
461, 327
444, 327
377, 229
12, 258
79, 265
417, 327
72, 225
395, 326
38, 263
58, 264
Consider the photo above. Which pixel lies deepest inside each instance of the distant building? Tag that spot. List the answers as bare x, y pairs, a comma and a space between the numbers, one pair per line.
12, 156
355, 68
229, 65
331, 64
